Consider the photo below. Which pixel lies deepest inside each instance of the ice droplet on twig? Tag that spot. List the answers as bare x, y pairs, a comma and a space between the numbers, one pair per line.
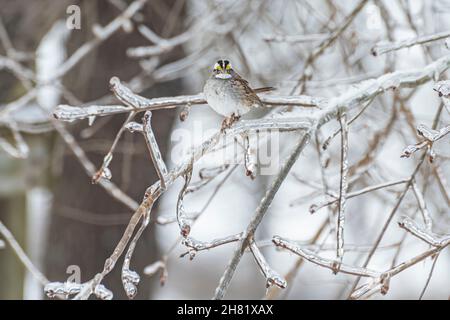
103, 293
130, 280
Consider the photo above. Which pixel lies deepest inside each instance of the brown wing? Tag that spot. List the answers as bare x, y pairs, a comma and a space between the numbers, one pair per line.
249, 93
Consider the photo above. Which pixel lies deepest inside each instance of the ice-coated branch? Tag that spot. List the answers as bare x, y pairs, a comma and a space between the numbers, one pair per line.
327, 142
422, 206
386, 46
315, 207
20, 253
135, 102
423, 233
130, 278
196, 245
442, 88
430, 136
272, 277
314, 258
153, 148
65, 290
296, 38
185, 227
343, 186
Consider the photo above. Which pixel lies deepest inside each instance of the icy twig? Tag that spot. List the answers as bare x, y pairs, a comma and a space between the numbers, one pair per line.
296, 38
250, 161
64, 290
422, 206
343, 186
20, 253
104, 171
430, 136
153, 148
423, 233
196, 245
272, 277
315, 207
185, 227
130, 278
442, 88
386, 46
337, 131
330, 264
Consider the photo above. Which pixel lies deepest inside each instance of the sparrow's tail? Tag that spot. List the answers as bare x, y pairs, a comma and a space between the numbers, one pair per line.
264, 89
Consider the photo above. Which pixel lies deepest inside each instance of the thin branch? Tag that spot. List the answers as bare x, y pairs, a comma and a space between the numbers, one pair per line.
153, 148
385, 46
20, 253
329, 264
315, 207
422, 206
343, 186
272, 277
423, 233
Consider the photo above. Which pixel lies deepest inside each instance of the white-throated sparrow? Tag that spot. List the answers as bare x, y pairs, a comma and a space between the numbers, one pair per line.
230, 95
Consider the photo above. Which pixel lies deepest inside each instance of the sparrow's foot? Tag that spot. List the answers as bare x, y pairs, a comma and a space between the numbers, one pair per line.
229, 121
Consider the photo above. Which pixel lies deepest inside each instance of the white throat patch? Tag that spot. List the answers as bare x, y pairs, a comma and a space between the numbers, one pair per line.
223, 76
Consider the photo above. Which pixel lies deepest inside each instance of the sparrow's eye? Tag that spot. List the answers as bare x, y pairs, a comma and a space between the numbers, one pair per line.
218, 67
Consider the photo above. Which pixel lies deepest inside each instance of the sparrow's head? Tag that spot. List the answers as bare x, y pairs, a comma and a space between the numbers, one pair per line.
223, 69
